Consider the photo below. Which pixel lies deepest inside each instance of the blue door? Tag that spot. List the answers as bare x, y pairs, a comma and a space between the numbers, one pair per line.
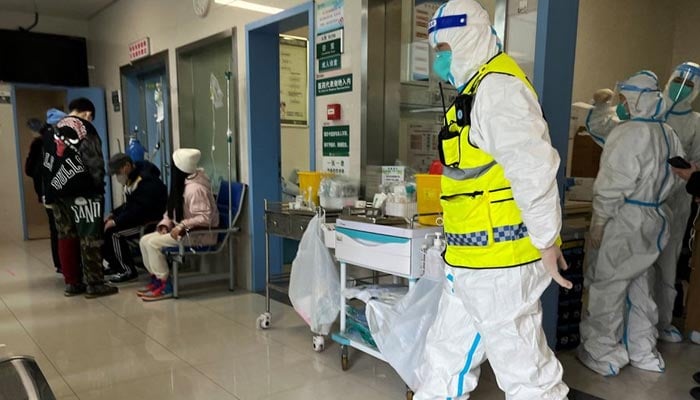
97, 96
147, 103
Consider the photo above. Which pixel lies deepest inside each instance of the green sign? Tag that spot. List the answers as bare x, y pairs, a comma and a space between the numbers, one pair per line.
329, 64
336, 84
329, 44
336, 141
330, 48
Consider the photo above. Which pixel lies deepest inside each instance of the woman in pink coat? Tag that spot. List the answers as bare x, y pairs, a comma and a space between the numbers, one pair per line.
191, 206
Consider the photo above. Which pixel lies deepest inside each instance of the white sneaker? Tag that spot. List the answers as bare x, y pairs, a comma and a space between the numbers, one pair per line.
601, 367
653, 363
694, 337
671, 334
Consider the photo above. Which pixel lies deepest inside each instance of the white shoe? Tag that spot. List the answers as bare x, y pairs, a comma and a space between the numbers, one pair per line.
694, 337
653, 363
600, 367
670, 334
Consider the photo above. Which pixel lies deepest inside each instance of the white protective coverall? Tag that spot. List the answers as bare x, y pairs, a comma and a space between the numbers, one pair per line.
686, 123
630, 211
496, 313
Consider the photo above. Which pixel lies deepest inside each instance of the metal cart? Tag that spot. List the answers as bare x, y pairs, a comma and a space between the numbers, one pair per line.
286, 223
393, 250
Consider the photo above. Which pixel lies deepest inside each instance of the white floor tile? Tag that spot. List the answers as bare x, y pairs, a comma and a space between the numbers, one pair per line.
206, 346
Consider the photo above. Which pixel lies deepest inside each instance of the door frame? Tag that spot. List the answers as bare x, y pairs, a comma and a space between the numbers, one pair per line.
144, 65
264, 130
18, 150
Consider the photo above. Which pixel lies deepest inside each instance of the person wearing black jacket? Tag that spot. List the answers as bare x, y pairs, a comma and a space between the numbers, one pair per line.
74, 187
33, 169
692, 177
146, 198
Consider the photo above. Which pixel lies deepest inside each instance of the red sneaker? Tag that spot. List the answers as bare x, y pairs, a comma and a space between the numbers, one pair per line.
152, 285
164, 291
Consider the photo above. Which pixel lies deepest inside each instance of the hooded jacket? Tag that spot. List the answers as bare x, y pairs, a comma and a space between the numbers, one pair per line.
199, 208
146, 197
73, 161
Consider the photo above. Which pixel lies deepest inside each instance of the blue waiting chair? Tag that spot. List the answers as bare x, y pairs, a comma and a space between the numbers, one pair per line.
226, 231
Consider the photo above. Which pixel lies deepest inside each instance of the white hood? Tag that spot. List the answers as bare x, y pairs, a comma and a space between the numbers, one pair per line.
643, 96
472, 38
687, 70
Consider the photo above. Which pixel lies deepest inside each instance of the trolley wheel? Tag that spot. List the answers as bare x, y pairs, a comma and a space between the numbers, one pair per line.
319, 343
409, 394
344, 359
263, 320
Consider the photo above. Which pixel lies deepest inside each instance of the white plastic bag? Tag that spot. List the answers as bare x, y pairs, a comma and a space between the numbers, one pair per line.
400, 330
314, 284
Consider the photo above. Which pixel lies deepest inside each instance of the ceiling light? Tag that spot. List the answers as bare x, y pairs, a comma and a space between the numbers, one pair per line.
250, 6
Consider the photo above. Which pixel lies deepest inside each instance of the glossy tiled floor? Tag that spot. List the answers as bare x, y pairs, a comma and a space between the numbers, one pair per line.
205, 346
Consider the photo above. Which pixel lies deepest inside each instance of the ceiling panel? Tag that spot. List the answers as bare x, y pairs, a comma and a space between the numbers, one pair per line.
77, 9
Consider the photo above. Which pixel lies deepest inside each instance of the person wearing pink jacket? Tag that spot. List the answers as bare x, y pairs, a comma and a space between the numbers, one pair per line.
191, 206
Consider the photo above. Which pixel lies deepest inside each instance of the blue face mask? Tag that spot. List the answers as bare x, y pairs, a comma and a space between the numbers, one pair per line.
442, 63
679, 92
622, 112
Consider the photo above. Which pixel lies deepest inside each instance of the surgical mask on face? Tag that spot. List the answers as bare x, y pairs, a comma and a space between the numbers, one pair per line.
679, 91
622, 112
441, 65
122, 179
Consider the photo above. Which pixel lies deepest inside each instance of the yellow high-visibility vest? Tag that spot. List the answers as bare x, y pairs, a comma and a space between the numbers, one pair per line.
483, 224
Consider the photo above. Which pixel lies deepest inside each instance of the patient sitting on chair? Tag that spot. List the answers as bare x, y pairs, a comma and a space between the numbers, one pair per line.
191, 206
146, 197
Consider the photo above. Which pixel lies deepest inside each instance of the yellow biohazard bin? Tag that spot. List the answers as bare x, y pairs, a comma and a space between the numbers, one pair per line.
428, 194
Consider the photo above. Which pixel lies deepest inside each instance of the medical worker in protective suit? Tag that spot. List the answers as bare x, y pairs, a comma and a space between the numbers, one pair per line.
502, 219
629, 229
681, 90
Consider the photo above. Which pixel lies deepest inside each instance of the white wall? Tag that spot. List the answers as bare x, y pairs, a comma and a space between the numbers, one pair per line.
618, 38
62, 26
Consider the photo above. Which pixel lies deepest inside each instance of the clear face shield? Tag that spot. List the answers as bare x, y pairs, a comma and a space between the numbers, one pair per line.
683, 83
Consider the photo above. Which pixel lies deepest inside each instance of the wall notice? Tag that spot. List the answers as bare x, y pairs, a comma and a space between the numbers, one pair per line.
329, 15
336, 141
336, 84
294, 88
336, 165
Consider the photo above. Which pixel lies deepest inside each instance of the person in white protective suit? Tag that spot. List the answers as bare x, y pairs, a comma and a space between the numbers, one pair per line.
629, 229
681, 90
501, 173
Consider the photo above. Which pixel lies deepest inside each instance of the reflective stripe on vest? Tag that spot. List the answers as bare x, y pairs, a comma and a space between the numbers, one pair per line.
483, 224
